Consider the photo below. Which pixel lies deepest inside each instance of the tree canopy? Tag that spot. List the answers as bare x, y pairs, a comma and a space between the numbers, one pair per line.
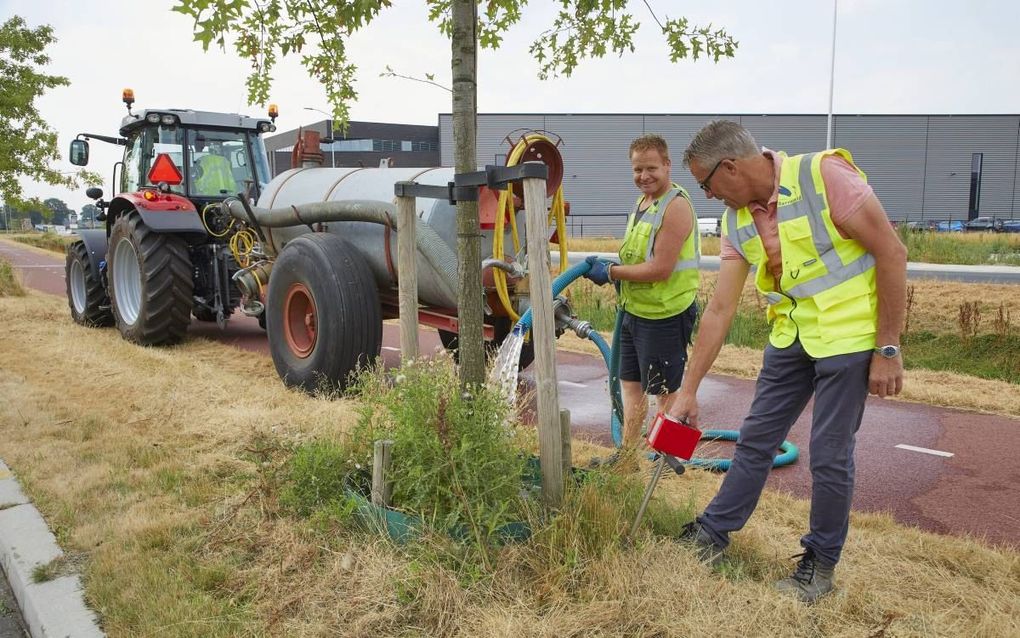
317, 31
28, 147
263, 31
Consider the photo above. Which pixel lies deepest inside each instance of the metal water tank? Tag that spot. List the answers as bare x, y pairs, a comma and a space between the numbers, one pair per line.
377, 243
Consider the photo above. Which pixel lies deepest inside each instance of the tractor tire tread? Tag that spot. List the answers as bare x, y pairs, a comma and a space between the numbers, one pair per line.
97, 311
167, 285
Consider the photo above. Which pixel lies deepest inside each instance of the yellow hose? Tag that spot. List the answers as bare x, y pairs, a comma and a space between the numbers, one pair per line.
505, 208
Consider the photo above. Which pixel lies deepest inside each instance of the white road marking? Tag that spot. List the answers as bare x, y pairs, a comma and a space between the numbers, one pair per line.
924, 450
573, 385
390, 348
41, 266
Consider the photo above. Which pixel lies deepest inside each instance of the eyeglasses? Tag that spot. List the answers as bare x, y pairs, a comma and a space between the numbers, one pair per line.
703, 184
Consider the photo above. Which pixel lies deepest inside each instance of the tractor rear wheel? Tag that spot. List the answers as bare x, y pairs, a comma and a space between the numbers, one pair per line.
150, 282
90, 305
322, 313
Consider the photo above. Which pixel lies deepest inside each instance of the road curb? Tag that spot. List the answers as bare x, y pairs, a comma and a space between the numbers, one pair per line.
54, 608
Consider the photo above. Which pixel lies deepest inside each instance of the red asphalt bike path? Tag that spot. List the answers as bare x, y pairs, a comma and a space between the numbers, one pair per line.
975, 491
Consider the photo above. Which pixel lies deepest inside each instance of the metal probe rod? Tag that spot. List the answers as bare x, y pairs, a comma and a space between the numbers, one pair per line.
648, 492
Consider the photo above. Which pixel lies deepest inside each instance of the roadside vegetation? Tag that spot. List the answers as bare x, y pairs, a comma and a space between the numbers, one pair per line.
1001, 249
964, 328
10, 284
205, 499
47, 241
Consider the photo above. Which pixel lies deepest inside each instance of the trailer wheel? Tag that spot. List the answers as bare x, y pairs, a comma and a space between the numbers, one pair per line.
501, 330
90, 305
150, 283
323, 315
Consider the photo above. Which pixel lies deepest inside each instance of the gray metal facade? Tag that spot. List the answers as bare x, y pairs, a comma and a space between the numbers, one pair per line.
278, 146
919, 165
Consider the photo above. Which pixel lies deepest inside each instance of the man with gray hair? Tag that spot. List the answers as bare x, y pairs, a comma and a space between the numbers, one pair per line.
833, 272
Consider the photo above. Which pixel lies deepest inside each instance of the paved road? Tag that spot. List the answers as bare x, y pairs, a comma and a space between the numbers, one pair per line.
11, 624
958, 473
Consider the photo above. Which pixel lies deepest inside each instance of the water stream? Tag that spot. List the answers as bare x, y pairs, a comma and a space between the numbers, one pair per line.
505, 368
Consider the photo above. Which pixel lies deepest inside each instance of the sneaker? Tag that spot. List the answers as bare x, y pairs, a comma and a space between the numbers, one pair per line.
811, 580
694, 536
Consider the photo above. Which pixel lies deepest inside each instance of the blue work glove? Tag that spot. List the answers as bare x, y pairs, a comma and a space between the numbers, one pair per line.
599, 273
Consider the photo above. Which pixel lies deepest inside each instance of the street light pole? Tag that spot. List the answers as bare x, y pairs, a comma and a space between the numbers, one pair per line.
832, 76
332, 150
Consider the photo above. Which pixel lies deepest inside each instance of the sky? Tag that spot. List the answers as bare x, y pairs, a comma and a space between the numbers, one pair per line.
891, 57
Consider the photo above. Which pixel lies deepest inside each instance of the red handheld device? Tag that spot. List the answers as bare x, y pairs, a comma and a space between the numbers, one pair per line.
669, 436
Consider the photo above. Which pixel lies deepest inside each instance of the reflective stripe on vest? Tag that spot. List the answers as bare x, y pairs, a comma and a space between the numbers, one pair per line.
738, 236
671, 296
811, 205
656, 222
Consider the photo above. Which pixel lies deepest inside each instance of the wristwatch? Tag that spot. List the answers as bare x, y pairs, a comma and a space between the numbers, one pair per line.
889, 352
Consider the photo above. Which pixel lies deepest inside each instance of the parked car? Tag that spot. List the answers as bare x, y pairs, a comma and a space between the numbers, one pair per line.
1010, 226
950, 227
920, 226
983, 224
710, 226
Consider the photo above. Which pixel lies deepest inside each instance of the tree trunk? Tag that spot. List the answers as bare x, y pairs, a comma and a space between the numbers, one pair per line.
464, 43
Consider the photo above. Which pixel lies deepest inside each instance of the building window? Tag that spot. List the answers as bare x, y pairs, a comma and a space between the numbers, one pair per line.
976, 161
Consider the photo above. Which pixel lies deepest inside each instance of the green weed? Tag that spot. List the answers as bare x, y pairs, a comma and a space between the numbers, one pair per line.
10, 286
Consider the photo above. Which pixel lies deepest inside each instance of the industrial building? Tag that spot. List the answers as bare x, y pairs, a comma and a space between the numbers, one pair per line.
922, 167
363, 144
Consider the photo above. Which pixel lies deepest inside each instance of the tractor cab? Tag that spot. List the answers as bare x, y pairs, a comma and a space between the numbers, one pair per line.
169, 249
200, 155
197, 154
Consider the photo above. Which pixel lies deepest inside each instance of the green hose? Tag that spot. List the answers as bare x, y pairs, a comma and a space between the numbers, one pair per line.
611, 356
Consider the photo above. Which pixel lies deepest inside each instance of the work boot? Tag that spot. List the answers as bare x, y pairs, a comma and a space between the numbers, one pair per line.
811, 580
694, 536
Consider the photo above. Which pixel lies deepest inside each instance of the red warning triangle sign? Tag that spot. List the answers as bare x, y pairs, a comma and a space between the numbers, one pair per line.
164, 170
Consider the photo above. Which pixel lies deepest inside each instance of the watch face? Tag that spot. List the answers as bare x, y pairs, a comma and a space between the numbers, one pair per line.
889, 351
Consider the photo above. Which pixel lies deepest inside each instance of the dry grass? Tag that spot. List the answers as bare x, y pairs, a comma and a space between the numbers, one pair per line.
156, 465
935, 309
50, 242
10, 280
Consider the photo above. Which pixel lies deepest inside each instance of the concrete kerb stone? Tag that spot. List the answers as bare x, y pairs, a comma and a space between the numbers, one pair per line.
54, 608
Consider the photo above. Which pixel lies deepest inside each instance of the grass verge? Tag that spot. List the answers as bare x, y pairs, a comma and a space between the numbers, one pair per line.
952, 327
934, 248
167, 481
47, 241
10, 284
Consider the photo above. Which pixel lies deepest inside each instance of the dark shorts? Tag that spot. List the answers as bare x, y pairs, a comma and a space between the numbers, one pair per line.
654, 351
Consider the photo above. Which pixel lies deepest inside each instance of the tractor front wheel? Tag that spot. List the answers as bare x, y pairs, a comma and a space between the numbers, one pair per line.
90, 305
322, 313
150, 282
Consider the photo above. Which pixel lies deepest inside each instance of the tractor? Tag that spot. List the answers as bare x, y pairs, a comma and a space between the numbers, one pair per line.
168, 251
200, 228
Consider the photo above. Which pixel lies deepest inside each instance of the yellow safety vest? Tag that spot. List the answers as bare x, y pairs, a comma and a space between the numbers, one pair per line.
659, 299
216, 179
828, 297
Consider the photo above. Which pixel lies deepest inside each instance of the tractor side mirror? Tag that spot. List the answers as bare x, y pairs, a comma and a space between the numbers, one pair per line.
79, 152
94, 193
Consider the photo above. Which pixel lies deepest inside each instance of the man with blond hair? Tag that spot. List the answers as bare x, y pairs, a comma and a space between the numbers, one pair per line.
658, 281
833, 272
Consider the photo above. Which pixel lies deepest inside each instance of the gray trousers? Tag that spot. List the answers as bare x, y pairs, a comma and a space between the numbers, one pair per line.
788, 378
